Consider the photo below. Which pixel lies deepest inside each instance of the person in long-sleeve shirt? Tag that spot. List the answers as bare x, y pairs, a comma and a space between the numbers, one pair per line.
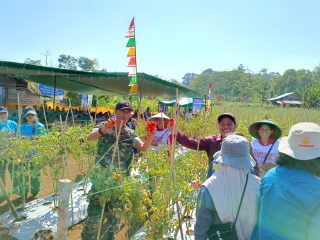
211, 144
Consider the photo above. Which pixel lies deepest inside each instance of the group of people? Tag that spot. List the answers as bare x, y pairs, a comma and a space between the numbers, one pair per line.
233, 200
29, 128
51, 115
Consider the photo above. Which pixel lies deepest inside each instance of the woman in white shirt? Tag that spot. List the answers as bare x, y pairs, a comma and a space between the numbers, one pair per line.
265, 144
162, 138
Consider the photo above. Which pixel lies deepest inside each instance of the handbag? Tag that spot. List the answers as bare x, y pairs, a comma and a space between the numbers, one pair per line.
227, 231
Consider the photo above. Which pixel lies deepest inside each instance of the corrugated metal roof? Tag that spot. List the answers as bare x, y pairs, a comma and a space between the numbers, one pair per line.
281, 96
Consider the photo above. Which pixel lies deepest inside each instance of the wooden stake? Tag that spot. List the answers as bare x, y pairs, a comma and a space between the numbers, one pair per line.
65, 187
116, 143
45, 117
101, 220
174, 139
73, 124
68, 168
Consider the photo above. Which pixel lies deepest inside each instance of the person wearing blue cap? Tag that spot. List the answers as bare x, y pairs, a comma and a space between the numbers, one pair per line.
7, 125
8, 129
228, 200
30, 126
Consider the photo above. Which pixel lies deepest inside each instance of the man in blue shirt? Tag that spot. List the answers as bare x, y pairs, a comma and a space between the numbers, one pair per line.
7, 125
8, 129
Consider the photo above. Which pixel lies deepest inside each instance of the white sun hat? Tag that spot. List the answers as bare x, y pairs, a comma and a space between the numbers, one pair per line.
159, 115
303, 141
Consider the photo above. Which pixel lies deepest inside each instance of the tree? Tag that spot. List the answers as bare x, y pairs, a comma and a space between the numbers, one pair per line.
187, 78
33, 62
175, 81
241, 68
208, 71
311, 97
87, 64
67, 62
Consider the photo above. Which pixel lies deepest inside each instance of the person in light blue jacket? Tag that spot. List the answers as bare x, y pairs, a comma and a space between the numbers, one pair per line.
8, 129
290, 192
30, 127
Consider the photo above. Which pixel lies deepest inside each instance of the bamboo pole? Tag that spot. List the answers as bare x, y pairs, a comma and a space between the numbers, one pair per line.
11, 206
117, 131
65, 187
73, 124
68, 169
101, 220
22, 164
172, 176
45, 117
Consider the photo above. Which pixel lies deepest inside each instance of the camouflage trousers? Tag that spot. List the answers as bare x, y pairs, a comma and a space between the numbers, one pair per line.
111, 223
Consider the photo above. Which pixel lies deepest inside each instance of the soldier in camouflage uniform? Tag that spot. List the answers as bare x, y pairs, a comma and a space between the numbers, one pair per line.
106, 136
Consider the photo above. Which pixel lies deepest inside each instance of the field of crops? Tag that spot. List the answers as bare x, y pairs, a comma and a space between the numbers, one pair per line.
151, 199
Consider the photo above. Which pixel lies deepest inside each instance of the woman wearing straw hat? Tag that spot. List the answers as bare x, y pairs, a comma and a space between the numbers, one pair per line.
290, 192
231, 195
163, 135
265, 145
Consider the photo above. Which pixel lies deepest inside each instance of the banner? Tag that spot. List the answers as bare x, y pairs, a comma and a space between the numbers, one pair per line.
90, 101
84, 101
46, 91
196, 105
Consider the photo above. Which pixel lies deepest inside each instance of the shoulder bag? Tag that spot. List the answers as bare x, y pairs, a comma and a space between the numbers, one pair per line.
227, 231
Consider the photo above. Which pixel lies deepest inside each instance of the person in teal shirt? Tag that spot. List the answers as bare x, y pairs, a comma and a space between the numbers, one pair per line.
5, 124
30, 127
8, 129
290, 192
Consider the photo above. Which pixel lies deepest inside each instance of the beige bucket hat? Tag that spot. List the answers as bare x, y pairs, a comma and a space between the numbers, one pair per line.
303, 141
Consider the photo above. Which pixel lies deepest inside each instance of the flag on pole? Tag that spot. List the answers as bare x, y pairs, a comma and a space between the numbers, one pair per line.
208, 100
133, 80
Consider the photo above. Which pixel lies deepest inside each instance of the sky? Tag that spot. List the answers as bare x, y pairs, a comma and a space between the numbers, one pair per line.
173, 37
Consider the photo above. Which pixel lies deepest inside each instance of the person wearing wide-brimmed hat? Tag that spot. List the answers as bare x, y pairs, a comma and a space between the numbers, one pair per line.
220, 195
290, 192
265, 144
163, 135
